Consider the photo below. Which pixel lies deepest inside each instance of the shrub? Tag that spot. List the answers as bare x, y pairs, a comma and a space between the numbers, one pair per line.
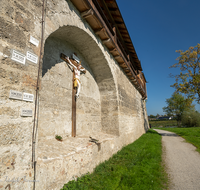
191, 119
59, 138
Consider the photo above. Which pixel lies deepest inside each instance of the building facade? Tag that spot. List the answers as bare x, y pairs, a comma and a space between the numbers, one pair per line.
36, 94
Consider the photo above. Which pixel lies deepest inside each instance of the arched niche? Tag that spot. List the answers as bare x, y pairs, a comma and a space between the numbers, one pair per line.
97, 107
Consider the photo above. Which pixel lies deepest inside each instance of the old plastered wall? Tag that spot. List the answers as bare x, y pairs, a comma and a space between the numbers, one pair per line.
110, 109
18, 19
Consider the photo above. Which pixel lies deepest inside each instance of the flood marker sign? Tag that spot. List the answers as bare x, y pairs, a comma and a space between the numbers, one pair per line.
26, 112
34, 41
28, 97
19, 57
32, 57
15, 95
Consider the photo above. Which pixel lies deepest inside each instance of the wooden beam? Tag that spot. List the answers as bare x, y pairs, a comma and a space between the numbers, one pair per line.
118, 56
122, 64
129, 45
112, 20
126, 69
73, 107
109, 1
63, 57
119, 22
87, 13
128, 42
99, 31
130, 48
113, 50
114, 23
108, 12
116, 16
106, 41
133, 80
128, 38
112, 9
125, 33
120, 28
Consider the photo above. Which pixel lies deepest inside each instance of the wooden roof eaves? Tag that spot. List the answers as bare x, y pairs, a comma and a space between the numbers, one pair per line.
124, 29
90, 14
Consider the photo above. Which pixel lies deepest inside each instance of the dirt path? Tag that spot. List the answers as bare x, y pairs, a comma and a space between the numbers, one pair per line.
182, 161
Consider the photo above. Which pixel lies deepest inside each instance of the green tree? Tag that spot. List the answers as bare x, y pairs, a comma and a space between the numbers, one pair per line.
152, 116
191, 118
176, 105
188, 81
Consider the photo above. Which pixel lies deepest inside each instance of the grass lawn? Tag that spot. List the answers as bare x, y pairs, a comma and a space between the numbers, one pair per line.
191, 135
163, 123
137, 166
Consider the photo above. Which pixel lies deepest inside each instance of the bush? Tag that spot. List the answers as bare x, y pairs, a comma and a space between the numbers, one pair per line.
191, 119
59, 138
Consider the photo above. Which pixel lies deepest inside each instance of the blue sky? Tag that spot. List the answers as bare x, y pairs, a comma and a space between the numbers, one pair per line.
158, 28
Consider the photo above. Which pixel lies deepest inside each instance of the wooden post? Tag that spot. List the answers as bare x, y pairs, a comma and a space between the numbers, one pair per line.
73, 107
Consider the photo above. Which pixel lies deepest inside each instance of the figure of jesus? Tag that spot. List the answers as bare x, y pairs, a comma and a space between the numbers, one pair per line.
77, 70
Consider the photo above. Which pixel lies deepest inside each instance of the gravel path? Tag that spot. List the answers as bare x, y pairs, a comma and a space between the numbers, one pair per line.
182, 162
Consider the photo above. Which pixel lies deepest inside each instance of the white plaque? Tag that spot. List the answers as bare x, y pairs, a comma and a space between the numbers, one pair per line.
19, 57
34, 41
26, 112
15, 95
32, 57
28, 97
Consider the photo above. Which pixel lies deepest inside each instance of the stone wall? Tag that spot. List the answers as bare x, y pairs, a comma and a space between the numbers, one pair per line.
17, 21
109, 109
56, 94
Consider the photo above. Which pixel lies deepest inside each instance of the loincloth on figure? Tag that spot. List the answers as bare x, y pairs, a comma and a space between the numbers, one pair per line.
76, 82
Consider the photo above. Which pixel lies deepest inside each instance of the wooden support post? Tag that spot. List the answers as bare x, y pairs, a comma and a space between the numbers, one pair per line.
106, 41
118, 56
113, 50
87, 13
115, 34
73, 107
97, 32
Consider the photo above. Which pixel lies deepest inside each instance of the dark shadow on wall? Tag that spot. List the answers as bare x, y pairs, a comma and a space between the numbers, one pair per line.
85, 44
146, 128
146, 124
50, 61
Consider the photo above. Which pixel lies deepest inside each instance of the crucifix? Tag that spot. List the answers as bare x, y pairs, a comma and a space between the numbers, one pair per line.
75, 63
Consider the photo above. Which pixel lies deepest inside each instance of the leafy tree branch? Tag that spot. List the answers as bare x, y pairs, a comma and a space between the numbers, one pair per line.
188, 81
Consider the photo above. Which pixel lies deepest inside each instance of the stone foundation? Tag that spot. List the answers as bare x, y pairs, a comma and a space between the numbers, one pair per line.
78, 157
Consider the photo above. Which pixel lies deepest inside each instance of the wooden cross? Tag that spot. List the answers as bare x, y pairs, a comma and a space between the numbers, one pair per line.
63, 57
73, 107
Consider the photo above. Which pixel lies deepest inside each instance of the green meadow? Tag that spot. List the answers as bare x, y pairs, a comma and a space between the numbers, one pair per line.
136, 166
